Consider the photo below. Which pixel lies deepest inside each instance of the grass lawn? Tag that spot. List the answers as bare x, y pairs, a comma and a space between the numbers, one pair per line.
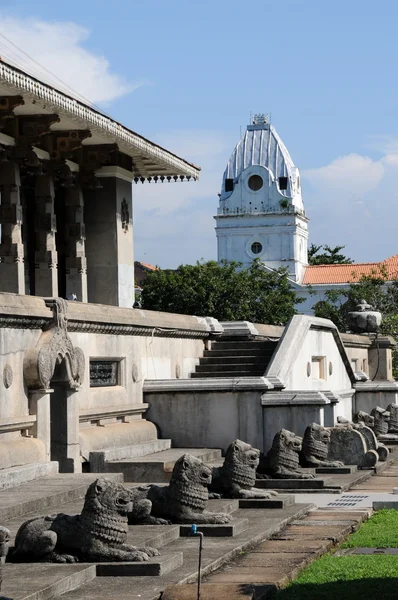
346, 578
357, 577
381, 531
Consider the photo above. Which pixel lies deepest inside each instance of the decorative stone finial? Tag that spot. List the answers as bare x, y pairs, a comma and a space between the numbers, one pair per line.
365, 319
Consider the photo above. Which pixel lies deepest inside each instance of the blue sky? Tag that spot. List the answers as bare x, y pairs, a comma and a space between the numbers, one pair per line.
187, 75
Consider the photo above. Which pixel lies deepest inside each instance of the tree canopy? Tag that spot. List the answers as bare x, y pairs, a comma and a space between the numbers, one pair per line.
224, 291
378, 290
329, 256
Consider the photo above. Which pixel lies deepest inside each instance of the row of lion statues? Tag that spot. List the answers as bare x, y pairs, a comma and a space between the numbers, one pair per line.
99, 533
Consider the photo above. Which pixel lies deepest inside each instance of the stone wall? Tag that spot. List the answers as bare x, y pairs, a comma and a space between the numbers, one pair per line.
46, 348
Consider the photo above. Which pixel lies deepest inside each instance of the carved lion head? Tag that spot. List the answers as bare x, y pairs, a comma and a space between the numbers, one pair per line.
287, 441
316, 441
381, 420
107, 496
245, 454
365, 418
191, 471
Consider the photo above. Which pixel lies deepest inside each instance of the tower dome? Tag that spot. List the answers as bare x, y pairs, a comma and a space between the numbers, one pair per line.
261, 212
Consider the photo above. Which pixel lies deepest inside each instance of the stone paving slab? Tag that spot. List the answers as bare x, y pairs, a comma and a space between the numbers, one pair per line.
333, 532
279, 560
333, 515
30, 582
215, 591
280, 547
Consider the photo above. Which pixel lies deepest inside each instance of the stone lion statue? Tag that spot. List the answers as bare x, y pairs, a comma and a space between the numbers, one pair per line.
315, 448
98, 534
237, 476
393, 423
142, 508
4, 543
283, 458
362, 417
381, 421
184, 499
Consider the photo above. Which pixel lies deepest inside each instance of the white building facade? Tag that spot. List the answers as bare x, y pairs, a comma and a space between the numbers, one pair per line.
261, 212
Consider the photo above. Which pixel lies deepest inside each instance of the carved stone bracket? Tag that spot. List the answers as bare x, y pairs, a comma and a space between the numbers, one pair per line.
54, 354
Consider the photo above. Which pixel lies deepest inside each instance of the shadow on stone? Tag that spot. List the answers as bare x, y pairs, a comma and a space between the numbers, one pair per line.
357, 589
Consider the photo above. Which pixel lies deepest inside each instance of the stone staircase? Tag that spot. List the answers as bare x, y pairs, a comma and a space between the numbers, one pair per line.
157, 467
178, 561
232, 358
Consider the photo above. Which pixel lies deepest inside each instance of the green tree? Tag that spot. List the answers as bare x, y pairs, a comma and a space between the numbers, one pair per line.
330, 256
226, 292
378, 289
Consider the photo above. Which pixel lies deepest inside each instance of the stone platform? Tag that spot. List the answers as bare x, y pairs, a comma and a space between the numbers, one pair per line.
177, 562
157, 466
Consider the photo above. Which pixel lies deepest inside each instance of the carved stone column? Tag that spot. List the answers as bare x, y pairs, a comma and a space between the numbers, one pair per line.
12, 275
46, 259
76, 263
109, 243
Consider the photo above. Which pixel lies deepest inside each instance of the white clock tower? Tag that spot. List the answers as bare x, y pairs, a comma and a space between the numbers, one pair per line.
261, 213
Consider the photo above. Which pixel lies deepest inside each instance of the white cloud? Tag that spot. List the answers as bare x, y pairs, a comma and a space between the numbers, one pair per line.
174, 221
385, 144
59, 47
354, 201
348, 174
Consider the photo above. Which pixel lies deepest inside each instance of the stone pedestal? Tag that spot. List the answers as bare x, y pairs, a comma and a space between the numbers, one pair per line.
76, 263
109, 239
46, 258
12, 275
39, 405
65, 446
380, 359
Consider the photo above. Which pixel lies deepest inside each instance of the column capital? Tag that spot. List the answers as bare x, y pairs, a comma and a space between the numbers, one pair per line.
114, 171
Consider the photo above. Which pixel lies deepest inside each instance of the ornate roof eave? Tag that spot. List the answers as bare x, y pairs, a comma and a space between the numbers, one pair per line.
170, 165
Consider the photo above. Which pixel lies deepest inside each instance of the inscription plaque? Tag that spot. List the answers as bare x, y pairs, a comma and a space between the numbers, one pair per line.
103, 373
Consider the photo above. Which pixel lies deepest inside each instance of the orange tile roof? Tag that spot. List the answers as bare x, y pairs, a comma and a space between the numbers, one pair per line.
324, 274
148, 266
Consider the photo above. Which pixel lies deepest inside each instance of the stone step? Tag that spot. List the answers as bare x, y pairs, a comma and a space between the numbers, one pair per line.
217, 552
99, 458
234, 527
248, 367
44, 581
235, 345
229, 374
280, 501
232, 360
44, 494
18, 475
47, 581
284, 484
156, 566
159, 466
239, 352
